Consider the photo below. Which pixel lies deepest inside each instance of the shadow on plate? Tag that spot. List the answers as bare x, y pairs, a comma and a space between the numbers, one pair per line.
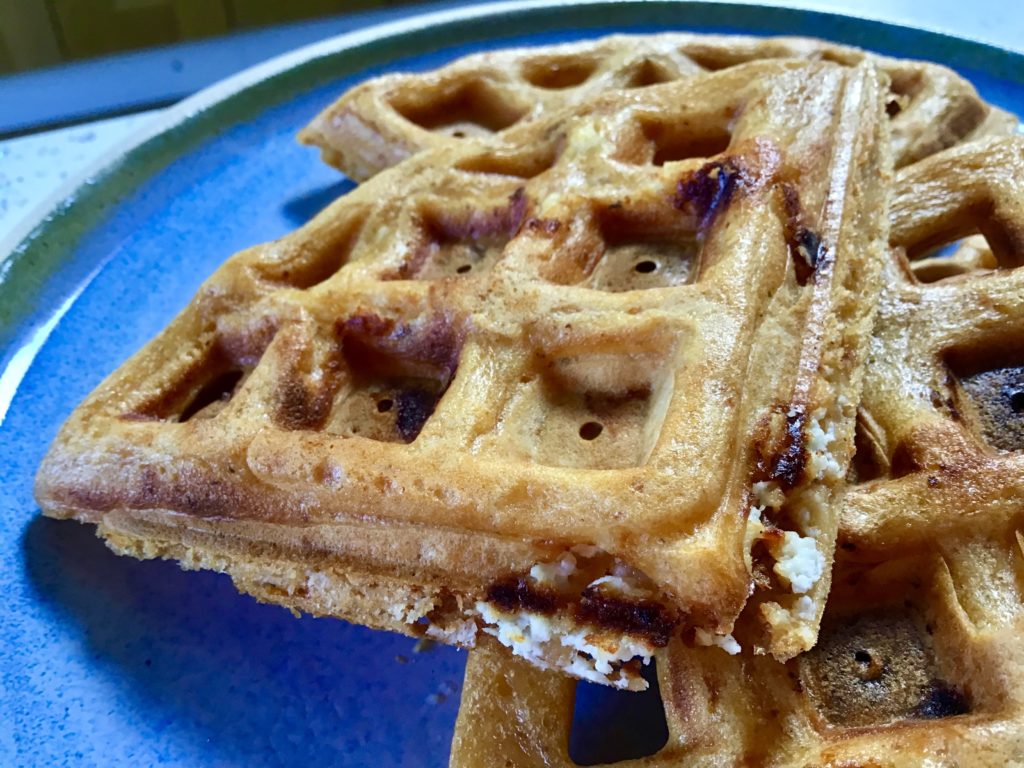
262, 687
301, 209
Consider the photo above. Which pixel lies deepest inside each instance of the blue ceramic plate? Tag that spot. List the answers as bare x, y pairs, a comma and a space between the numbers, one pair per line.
108, 661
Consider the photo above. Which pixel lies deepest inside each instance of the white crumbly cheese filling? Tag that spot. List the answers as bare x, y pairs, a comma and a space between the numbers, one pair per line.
805, 609
620, 585
767, 494
557, 643
726, 642
461, 633
821, 462
799, 561
555, 574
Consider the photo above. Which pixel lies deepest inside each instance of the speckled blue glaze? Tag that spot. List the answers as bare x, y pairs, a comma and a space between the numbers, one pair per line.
107, 661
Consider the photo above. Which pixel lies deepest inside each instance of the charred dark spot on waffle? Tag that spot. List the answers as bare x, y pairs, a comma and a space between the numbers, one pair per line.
516, 594
876, 669
643, 248
643, 618
784, 461
993, 403
547, 226
709, 191
461, 242
474, 108
301, 406
806, 251
942, 700
805, 247
558, 73
396, 374
415, 406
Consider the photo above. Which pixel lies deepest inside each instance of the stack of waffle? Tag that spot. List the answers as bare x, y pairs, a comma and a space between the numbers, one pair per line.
634, 349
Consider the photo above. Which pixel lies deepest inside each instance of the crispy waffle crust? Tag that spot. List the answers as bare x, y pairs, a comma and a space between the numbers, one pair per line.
504, 389
919, 659
383, 121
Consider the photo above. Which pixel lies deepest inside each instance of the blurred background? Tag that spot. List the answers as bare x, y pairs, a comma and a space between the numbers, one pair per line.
42, 33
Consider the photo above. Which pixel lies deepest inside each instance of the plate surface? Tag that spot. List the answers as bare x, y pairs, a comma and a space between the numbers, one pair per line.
109, 661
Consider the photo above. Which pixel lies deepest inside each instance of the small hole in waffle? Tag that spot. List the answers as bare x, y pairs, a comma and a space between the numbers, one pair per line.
449, 257
643, 249
471, 108
555, 416
461, 243
1017, 402
396, 375
610, 726
557, 73
876, 668
904, 87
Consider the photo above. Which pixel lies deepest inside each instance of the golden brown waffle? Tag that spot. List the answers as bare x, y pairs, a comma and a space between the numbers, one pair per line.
387, 119
512, 382
919, 661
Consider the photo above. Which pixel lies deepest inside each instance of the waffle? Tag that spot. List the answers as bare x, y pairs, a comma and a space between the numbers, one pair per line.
919, 661
385, 120
500, 394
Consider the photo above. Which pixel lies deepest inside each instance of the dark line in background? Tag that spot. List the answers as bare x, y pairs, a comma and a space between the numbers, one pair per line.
91, 117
